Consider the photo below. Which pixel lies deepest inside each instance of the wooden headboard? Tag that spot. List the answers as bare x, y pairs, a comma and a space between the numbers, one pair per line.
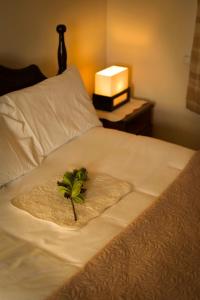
15, 79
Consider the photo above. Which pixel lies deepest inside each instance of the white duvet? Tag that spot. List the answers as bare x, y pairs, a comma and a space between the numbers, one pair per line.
36, 256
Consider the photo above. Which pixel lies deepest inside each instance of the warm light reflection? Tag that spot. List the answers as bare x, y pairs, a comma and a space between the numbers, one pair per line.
110, 71
111, 81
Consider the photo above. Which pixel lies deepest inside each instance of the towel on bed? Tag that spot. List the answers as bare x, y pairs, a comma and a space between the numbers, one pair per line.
47, 203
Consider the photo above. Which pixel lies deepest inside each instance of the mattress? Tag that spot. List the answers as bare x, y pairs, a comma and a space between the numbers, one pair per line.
37, 256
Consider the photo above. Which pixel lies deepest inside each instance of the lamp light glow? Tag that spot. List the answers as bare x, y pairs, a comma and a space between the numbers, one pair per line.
111, 88
111, 81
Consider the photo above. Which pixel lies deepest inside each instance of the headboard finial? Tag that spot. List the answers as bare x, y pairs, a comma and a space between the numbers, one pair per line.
61, 28
62, 53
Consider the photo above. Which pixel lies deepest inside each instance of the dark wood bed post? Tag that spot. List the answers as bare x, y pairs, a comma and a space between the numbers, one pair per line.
16, 79
62, 53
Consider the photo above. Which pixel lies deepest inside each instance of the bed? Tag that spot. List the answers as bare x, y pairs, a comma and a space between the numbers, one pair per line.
145, 245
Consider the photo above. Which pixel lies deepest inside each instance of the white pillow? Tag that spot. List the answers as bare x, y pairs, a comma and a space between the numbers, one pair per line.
37, 120
18, 153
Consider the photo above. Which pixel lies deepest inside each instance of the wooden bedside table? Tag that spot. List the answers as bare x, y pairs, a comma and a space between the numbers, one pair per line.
133, 117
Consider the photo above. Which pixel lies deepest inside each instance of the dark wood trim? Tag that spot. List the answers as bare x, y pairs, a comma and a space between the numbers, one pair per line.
15, 79
107, 103
62, 52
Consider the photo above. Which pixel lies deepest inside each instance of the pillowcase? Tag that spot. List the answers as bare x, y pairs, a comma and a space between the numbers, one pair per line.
37, 120
18, 152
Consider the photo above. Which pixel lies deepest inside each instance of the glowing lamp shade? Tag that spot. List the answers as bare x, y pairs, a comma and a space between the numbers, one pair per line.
111, 88
111, 81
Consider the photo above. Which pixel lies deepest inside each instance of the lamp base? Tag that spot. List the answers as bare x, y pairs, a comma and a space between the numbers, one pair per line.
110, 103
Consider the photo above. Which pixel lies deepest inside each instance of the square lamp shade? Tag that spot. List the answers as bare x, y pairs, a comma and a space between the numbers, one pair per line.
111, 88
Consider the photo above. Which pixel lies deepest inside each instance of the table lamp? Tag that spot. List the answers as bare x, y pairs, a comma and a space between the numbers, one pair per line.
111, 88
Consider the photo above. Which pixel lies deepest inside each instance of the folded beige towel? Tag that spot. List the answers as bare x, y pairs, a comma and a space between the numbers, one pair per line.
47, 203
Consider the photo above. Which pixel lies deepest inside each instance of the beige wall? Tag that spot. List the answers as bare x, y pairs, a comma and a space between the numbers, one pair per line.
154, 39
27, 34
151, 37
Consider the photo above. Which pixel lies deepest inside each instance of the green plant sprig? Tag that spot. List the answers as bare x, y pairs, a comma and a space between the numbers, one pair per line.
72, 187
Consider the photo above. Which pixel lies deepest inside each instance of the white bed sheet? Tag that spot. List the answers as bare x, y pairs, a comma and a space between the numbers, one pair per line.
37, 256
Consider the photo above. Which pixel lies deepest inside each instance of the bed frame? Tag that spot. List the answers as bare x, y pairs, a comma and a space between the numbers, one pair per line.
157, 255
15, 79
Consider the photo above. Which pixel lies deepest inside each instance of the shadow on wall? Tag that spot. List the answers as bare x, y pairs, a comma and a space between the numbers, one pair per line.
15, 62
170, 134
11, 61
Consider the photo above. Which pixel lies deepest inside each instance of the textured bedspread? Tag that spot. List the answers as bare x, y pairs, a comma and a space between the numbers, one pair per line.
156, 257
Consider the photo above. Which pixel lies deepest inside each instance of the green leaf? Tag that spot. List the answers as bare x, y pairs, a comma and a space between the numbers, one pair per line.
65, 191
76, 189
81, 174
72, 186
62, 190
74, 172
78, 199
68, 179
